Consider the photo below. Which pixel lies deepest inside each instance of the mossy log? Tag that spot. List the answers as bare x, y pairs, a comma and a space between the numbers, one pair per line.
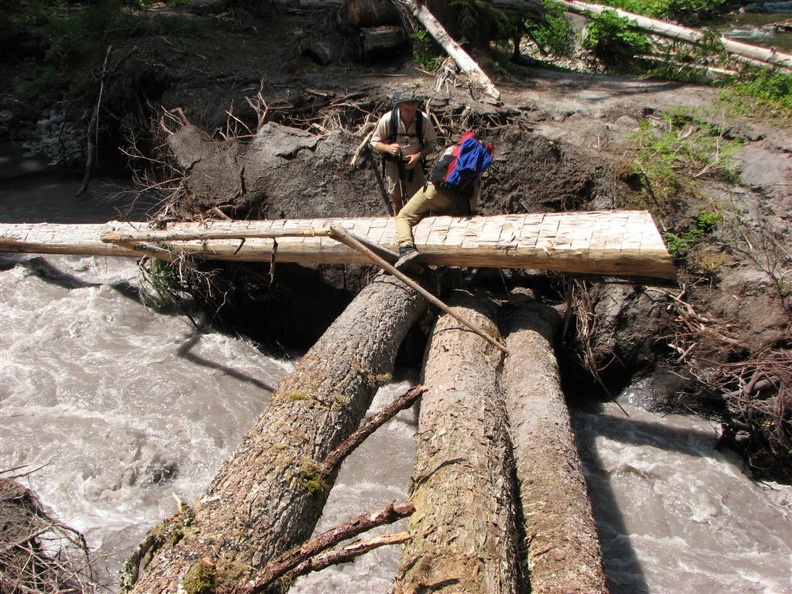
563, 551
268, 497
463, 532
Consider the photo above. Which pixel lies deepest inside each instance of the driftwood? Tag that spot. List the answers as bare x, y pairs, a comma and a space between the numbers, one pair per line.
744, 50
338, 455
269, 496
299, 556
563, 550
463, 530
37, 552
453, 49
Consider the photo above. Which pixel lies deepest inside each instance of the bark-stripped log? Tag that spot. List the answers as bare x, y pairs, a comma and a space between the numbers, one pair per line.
270, 495
463, 529
563, 549
453, 49
763, 55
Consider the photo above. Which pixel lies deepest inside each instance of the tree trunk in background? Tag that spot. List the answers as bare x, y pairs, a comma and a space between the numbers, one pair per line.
453, 49
764, 55
371, 13
563, 549
269, 496
463, 529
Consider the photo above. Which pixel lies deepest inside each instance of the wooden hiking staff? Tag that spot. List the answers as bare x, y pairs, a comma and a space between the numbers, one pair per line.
342, 235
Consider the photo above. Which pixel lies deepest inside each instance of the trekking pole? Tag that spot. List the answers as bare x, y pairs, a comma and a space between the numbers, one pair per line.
400, 168
342, 235
381, 184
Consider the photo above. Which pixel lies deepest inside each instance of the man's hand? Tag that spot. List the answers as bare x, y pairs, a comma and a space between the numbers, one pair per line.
410, 161
394, 150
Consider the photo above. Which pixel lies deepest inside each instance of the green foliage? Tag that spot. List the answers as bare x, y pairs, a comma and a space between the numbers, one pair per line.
471, 15
168, 284
679, 243
686, 62
45, 80
34, 14
555, 35
76, 36
79, 36
677, 148
426, 51
763, 88
681, 11
614, 41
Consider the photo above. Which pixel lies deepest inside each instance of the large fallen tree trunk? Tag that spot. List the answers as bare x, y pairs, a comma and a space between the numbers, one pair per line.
270, 495
453, 49
753, 52
563, 550
463, 530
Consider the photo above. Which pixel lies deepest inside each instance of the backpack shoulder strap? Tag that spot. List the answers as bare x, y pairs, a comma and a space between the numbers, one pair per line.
419, 120
393, 128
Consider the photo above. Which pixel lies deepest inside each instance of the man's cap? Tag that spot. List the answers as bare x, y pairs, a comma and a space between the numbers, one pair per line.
406, 97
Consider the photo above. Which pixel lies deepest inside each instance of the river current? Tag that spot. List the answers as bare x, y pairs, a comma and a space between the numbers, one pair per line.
112, 410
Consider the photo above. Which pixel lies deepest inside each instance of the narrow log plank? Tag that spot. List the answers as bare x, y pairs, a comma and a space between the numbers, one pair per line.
607, 243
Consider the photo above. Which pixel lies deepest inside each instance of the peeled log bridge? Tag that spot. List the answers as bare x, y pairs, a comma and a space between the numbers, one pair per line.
607, 243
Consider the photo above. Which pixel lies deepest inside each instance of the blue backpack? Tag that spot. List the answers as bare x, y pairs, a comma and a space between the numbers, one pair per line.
462, 163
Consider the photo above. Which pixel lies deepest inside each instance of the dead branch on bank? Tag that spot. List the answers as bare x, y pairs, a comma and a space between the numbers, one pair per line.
756, 390
37, 552
581, 300
453, 49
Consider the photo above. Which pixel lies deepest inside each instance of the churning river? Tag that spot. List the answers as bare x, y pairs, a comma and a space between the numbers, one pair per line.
112, 408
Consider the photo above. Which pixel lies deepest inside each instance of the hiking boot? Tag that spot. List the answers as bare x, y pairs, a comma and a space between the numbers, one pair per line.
407, 254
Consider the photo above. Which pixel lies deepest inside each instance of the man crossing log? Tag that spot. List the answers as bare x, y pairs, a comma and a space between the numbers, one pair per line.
270, 495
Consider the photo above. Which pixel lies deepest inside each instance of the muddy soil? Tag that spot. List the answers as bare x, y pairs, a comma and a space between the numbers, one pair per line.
562, 143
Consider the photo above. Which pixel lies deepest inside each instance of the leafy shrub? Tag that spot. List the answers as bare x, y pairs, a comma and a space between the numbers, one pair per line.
680, 242
678, 148
682, 11
770, 88
426, 50
614, 40
554, 36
